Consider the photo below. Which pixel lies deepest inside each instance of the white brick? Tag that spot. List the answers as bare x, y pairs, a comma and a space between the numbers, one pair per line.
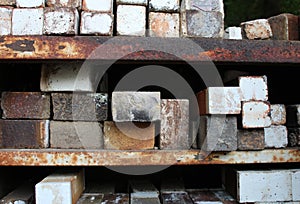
27, 21
64, 188
30, 3
256, 29
132, 2
255, 114
96, 23
164, 24
234, 33
276, 136
61, 21
131, 20
254, 88
5, 20
65, 77
220, 100
98, 5
296, 184
278, 114
64, 3
205, 5
264, 186
164, 5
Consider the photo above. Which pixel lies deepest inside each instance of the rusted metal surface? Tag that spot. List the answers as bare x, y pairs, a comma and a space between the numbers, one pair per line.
148, 157
147, 49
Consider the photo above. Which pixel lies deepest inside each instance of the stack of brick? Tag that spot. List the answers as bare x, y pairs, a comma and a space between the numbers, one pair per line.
77, 110
293, 124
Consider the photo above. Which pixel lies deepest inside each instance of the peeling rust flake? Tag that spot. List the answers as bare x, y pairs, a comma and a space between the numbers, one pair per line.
22, 46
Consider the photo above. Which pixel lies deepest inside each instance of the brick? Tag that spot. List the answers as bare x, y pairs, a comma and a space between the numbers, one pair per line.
87, 198
204, 196
171, 185
164, 24
132, 2
128, 136
293, 137
24, 134
223, 196
62, 21
27, 21
202, 18
23, 194
284, 27
276, 136
76, 135
176, 198
7, 2
256, 29
166, 6
143, 191
251, 139
218, 133
80, 106
5, 20
60, 188
174, 126
264, 186
22, 105
67, 77
30, 3
102, 187
255, 114
293, 115
126, 15
233, 33
296, 184
254, 88
278, 114
118, 198
220, 100
98, 6
135, 106
93, 23
64, 3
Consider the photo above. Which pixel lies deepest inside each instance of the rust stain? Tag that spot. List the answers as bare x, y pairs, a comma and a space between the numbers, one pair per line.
22, 46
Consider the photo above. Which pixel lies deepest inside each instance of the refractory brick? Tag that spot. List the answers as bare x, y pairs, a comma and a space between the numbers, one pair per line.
278, 114
254, 88
164, 24
5, 20
166, 5
256, 29
255, 114
98, 6
251, 139
276, 136
93, 23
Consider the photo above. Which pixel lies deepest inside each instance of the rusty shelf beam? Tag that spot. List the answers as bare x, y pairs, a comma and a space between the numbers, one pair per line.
145, 49
55, 157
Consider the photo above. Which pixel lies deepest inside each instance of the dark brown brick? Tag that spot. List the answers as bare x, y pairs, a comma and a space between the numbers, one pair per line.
79, 106
176, 198
24, 133
25, 105
293, 137
251, 139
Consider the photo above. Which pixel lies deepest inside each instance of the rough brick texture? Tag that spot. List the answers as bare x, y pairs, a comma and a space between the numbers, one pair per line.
93, 23
255, 114
5, 20
251, 139
164, 24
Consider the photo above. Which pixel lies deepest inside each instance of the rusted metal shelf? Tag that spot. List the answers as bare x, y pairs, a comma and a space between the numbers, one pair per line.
55, 157
146, 49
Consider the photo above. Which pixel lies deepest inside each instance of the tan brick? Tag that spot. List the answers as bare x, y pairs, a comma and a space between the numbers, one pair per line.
60, 188
255, 114
220, 100
165, 6
126, 15
24, 134
76, 135
276, 136
5, 20
254, 88
93, 23
256, 29
251, 139
285, 27
30, 105
80, 106
27, 21
98, 6
128, 136
135, 106
61, 21
164, 24
174, 133
7, 2
278, 114
64, 3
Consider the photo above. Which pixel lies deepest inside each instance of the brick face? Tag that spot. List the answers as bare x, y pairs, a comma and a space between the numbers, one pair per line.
30, 3
166, 6
256, 29
251, 139
276, 136
93, 23
5, 20
164, 24
98, 6
7, 2
64, 3
254, 88
30, 105
255, 114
